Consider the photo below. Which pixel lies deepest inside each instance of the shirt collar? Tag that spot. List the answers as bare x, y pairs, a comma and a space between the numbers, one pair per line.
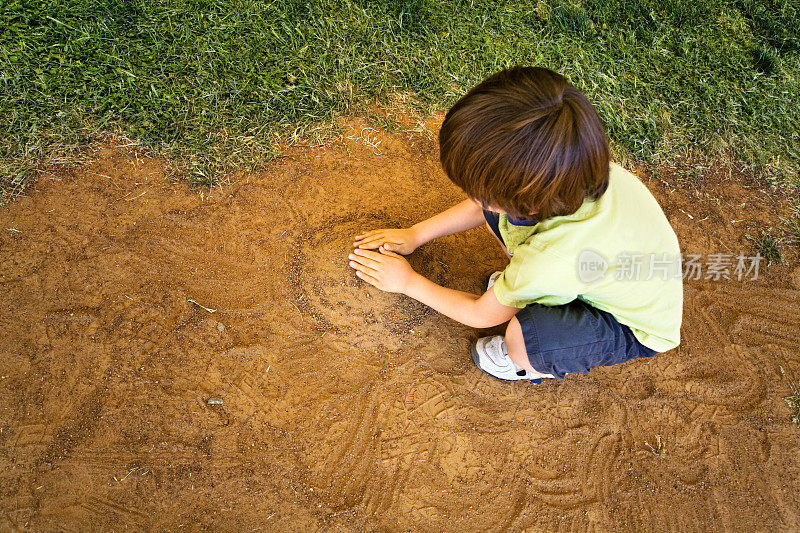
522, 221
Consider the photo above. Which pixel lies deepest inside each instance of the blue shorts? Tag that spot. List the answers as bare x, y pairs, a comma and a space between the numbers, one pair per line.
575, 337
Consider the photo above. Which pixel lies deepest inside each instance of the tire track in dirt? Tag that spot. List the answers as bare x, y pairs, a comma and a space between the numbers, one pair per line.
124, 515
76, 431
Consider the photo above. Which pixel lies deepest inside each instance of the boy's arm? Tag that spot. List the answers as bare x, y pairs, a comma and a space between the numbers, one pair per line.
461, 217
472, 310
391, 272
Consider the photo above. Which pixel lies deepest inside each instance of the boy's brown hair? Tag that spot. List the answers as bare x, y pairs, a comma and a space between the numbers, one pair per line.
526, 141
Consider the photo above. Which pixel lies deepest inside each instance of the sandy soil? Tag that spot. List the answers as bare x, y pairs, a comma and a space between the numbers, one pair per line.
344, 408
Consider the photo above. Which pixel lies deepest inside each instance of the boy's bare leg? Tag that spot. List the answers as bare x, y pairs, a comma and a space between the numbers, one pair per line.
515, 344
505, 250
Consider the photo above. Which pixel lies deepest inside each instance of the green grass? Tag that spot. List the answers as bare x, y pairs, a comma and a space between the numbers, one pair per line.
214, 84
768, 245
792, 230
791, 225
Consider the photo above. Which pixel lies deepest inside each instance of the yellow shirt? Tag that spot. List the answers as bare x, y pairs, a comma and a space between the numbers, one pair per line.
618, 253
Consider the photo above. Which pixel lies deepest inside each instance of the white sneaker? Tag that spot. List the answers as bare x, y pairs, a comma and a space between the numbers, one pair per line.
491, 355
490, 281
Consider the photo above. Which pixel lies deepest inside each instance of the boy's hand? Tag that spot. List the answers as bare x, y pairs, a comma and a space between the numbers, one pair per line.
402, 241
386, 270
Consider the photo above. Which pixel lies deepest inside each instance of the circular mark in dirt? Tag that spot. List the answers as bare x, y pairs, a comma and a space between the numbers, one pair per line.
326, 288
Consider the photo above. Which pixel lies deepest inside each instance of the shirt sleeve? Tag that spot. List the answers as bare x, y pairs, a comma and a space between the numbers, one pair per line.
537, 276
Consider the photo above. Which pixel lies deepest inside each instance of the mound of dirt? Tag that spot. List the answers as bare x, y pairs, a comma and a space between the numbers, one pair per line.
183, 359
324, 287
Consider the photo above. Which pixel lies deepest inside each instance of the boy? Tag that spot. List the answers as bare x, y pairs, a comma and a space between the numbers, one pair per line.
594, 272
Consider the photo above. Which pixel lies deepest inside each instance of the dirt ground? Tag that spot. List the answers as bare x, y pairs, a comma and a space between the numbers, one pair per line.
344, 408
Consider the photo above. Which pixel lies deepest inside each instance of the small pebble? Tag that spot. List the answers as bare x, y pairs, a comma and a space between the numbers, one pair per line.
220, 327
214, 400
